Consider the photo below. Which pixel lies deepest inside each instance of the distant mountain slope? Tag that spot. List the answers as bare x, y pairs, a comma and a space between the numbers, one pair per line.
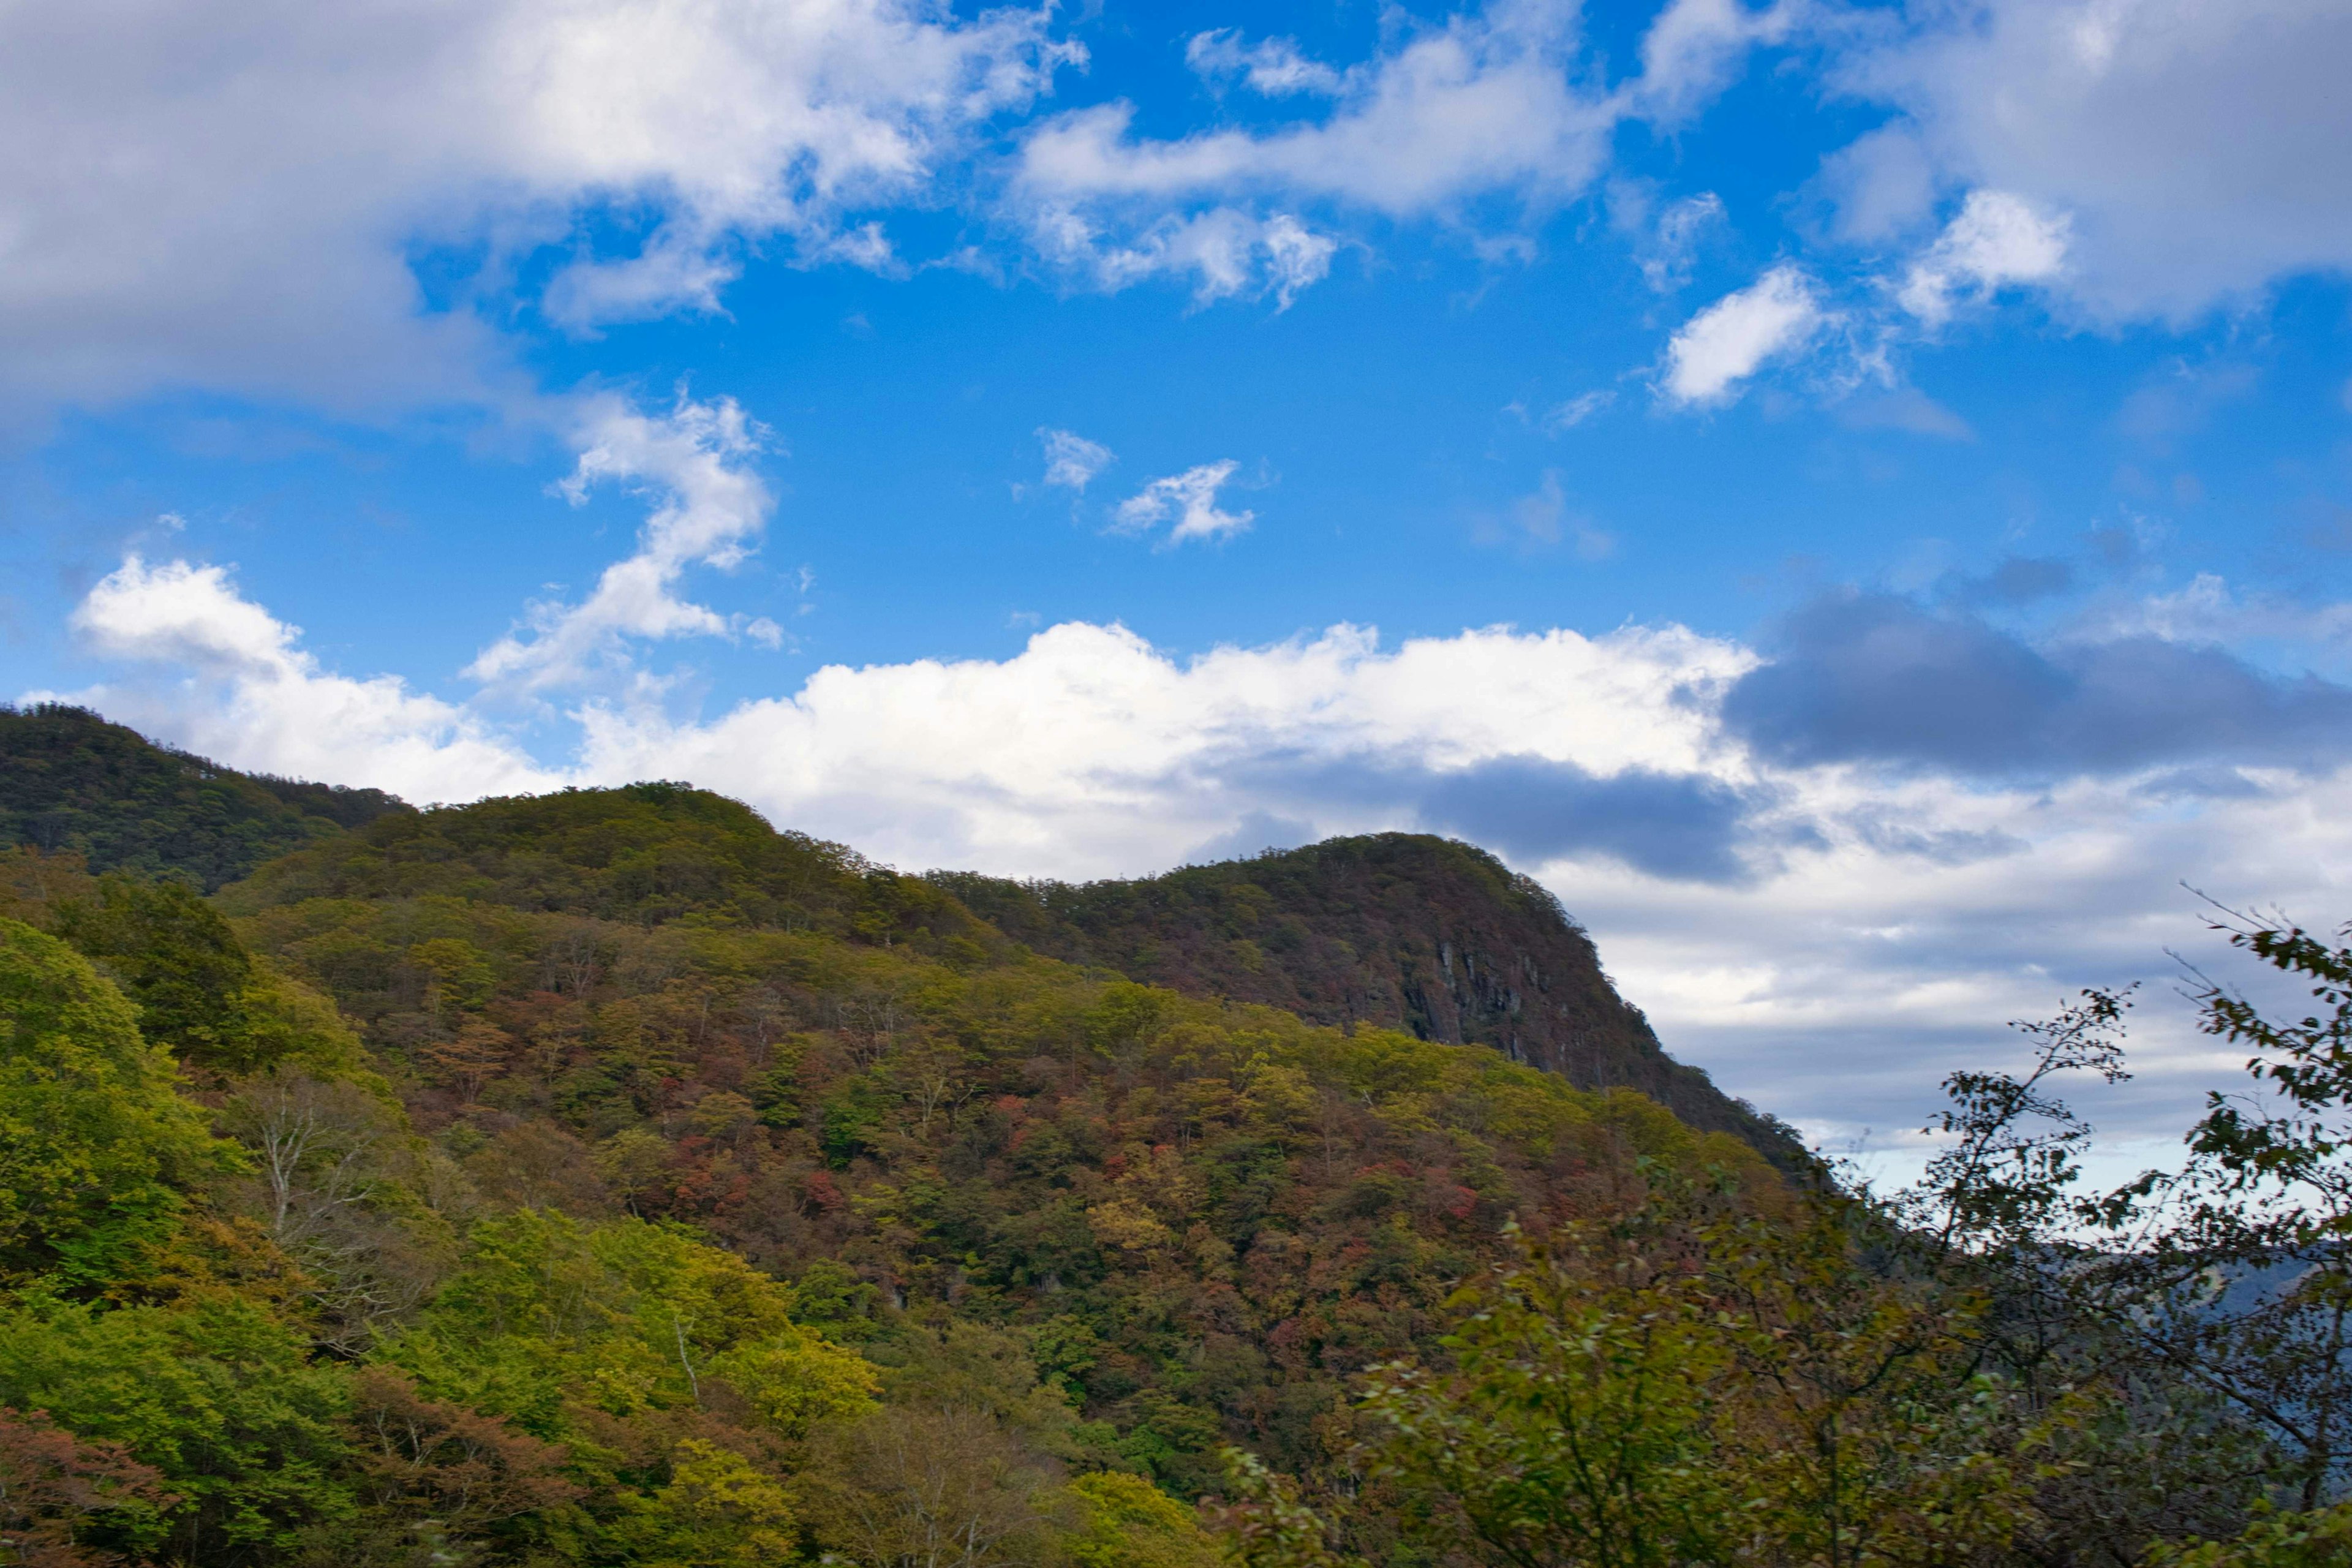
71, 780
1397, 930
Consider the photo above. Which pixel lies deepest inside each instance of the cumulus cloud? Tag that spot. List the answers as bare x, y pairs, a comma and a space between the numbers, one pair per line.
1696, 48
2189, 143
1484, 102
1191, 498
230, 199
1501, 102
1997, 239
227, 679
1721, 347
1823, 907
711, 507
1071, 460
1497, 102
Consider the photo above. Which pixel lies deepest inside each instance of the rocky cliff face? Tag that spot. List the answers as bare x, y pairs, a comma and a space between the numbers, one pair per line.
1399, 929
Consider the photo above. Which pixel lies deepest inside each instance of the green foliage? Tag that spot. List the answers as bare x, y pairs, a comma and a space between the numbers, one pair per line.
200, 994
216, 1395
641, 854
559, 1324
95, 1141
1697, 1382
2319, 1538
718, 1509
1125, 1522
72, 783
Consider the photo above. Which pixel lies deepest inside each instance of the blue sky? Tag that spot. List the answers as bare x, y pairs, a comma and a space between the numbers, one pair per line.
1857, 497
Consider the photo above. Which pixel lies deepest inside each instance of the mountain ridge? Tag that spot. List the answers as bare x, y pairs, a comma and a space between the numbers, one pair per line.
1430, 936
73, 781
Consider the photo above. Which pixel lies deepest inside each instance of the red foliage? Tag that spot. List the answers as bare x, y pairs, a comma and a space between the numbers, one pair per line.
447, 1463
51, 1482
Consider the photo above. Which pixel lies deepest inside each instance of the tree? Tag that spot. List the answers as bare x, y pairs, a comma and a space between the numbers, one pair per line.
908, 1486
96, 1142
323, 1155
431, 1466
56, 1490
1698, 1382
1125, 1522
718, 1509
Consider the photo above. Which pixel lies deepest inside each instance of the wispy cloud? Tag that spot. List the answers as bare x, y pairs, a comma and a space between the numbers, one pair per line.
1271, 66
1191, 498
1071, 460
711, 506
1568, 416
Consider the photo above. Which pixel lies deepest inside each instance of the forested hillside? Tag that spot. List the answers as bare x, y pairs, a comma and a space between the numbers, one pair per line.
621, 1153
607, 1179
72, 782
1400, 931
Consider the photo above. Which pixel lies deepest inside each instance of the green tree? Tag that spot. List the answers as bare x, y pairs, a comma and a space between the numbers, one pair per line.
96, 1142
1125, 1522
216, 1395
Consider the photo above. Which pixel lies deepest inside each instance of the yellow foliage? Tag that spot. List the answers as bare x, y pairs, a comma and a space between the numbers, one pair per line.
1128, 1522
796, 1380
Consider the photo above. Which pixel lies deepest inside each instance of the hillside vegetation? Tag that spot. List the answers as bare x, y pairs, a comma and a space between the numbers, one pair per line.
607, 1179
72, 782
1397, 930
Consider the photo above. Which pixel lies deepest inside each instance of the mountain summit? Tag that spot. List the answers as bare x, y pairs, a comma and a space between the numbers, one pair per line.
1401, 930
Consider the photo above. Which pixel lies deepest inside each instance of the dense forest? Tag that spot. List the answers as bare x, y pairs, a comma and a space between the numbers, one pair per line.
610, 1178
72, 782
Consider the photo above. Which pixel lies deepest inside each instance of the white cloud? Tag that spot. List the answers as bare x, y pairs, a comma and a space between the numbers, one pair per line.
1491, 102
1071, 460
2196, 145
1880, 934
236, 685
1731, 340
711, 507
1996, 240
1191, 498
1696, 48
1482, 103
1271, 66
228, 198
1226, 251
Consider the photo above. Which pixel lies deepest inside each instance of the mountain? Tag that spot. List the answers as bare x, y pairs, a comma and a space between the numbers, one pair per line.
70, 781
606, 1177
1407, 931
1395, 930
